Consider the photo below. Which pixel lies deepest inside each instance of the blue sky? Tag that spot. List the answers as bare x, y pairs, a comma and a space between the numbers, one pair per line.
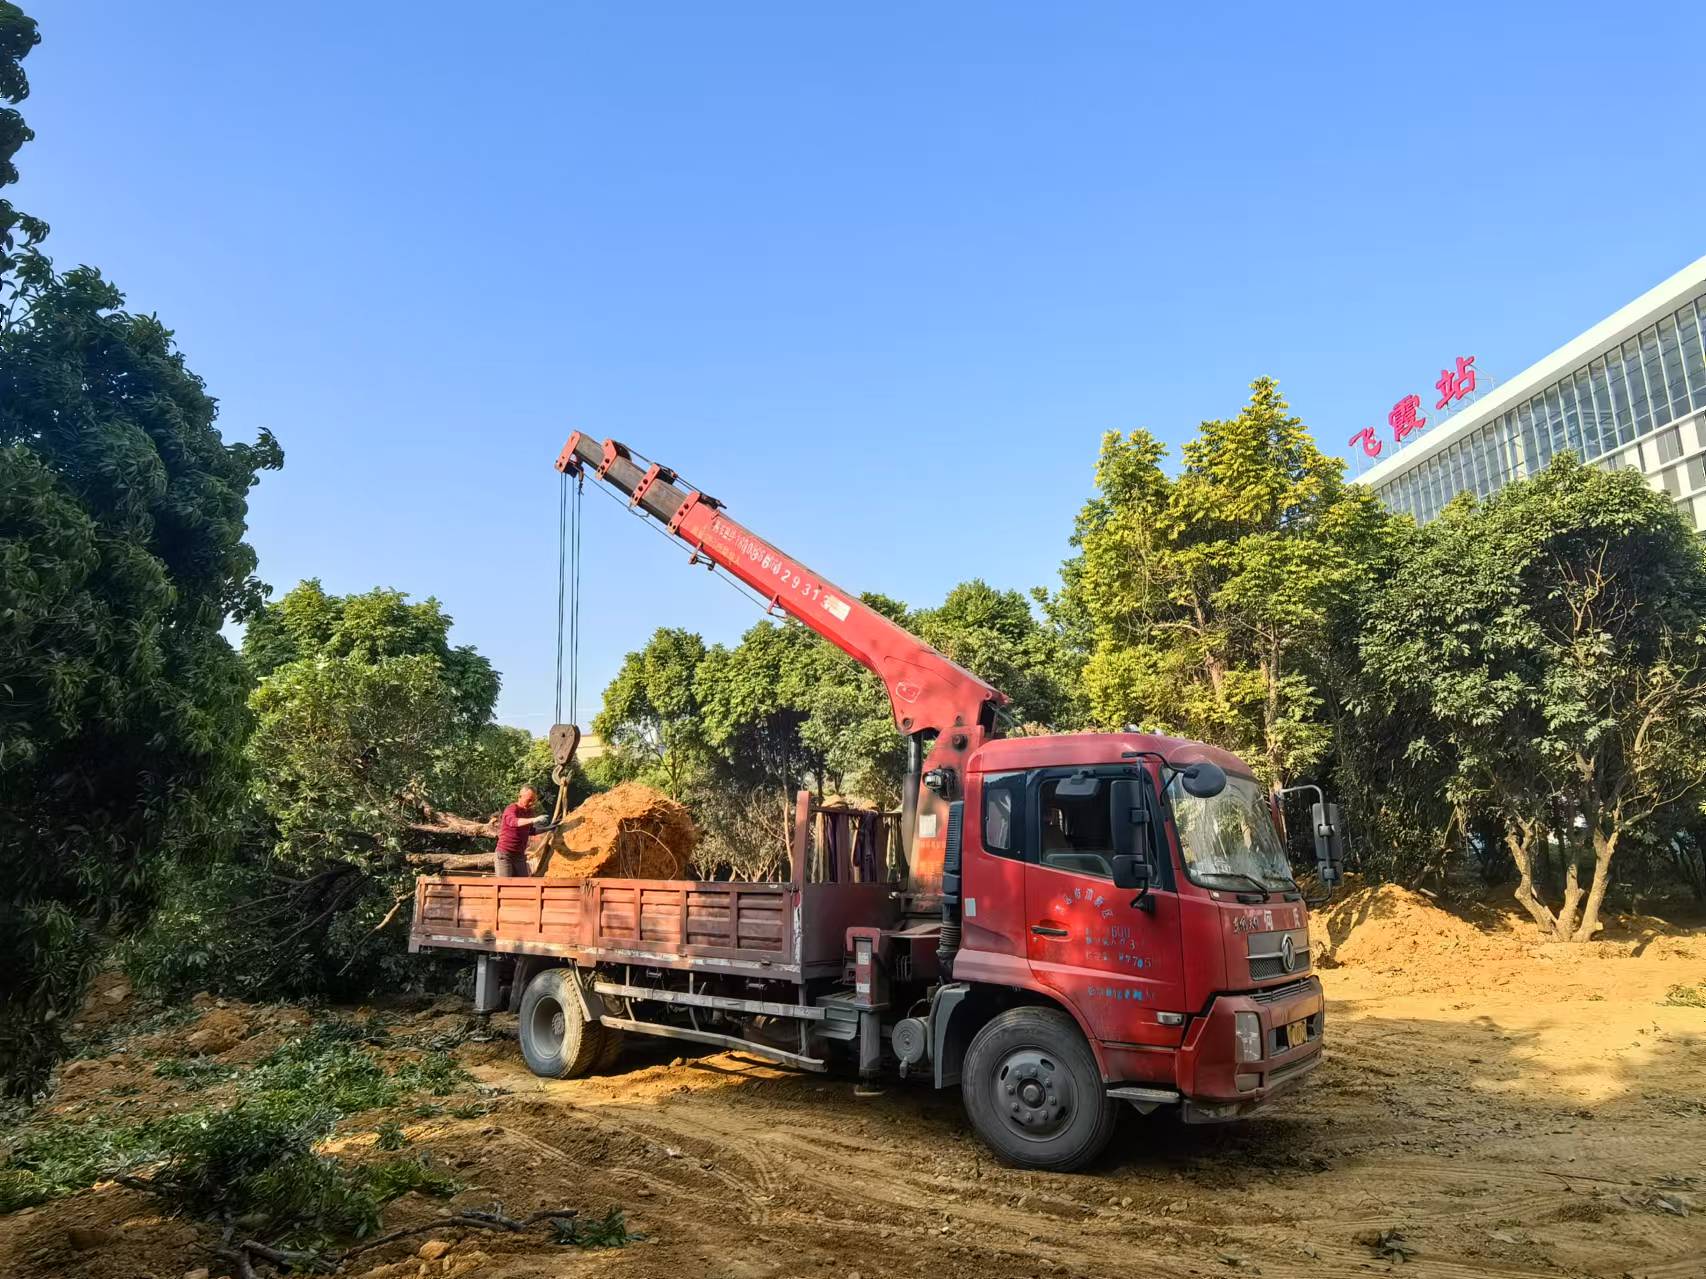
876, 275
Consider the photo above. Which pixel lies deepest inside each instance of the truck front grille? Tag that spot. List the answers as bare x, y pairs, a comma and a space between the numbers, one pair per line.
1274, 994
1267, 951
1271, 966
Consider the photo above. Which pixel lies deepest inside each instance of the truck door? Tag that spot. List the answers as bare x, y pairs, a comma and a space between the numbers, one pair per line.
1117, 963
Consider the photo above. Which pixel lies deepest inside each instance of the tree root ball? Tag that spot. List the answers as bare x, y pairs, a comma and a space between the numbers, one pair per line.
628, 832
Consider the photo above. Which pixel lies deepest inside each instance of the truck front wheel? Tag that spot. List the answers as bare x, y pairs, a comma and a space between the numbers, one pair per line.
1032, 1091
557, 1041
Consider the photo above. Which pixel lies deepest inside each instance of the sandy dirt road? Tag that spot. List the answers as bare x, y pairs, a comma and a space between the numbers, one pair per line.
1510, 1109
1501, 1136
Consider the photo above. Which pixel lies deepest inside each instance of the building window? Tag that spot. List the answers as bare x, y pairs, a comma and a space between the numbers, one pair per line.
1655, 377
1530, 445
1670, 353
1589, 414
1572, 422
1696, 473
1620, 410
1639, 405
1561, 437
1603, 406
1693, 360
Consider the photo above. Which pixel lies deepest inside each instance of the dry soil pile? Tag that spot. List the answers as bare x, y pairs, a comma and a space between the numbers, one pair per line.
628, 832
1388, 928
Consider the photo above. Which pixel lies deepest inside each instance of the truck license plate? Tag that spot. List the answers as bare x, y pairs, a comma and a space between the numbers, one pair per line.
1297, 1033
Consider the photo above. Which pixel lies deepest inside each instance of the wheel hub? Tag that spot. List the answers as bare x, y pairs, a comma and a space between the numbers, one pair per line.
549, 1026
1035, 1094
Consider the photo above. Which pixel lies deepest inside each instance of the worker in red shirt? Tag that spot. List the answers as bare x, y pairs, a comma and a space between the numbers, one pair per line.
519, 821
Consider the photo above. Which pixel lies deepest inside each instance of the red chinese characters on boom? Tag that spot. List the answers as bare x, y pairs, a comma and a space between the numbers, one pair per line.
1454, 386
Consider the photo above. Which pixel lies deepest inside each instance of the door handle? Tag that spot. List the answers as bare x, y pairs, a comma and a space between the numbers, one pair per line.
1049, 930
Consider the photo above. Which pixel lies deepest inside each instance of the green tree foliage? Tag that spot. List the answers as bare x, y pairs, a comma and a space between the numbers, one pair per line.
372, 738
997, 635
1540, 661
23, 268
651, 719
738, 730
1206, 600
122, 518
368, 721
370, 628
757, 696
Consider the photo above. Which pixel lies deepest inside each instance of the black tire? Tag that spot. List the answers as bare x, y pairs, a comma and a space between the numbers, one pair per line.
1033, 1093
611, 1054
557, 1041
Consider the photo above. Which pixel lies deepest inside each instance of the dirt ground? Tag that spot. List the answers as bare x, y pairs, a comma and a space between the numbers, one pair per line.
1507, 1107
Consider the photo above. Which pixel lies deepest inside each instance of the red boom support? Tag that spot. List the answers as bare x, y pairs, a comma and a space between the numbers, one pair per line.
929, 693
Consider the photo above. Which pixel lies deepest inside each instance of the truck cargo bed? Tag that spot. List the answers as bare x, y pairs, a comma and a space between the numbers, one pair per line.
771, 929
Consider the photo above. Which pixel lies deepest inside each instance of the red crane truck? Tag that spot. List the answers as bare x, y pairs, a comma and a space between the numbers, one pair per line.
1086, 920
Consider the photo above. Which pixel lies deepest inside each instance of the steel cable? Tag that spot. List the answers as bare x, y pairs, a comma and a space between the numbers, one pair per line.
562, 538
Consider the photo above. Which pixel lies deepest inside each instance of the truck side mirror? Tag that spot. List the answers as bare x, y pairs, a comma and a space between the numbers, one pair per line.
1131, 871
1329, 842
1131, 815
1203, 780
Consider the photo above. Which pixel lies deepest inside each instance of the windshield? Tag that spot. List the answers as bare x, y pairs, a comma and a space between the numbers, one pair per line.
1230, 837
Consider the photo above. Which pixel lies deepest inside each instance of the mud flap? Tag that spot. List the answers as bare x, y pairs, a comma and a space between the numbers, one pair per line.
947, 1051
488, 983
592, 1003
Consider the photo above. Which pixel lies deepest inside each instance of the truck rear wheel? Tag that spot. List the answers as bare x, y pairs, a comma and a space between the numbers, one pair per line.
1032, 1090
557, 1041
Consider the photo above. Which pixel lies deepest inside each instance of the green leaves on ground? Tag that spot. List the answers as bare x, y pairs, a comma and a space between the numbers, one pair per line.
258, 1156
609, 1231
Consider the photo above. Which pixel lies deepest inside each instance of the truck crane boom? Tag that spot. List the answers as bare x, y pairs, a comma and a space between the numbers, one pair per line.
931, 695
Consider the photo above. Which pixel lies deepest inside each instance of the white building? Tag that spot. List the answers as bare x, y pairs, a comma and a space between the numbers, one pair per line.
1630, 392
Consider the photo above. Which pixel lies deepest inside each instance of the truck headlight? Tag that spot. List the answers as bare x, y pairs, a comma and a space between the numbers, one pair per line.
1247, 1031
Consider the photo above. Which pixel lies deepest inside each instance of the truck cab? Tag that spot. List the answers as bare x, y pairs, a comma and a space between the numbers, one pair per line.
1190, 982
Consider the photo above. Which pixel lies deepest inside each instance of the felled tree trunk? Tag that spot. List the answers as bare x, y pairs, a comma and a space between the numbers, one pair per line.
450, 862
435, 821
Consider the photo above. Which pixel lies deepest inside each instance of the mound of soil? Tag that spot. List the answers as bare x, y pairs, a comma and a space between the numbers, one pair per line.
1388, 928
628, 832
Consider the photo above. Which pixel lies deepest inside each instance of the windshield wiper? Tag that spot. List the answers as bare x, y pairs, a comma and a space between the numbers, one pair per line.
1256, 885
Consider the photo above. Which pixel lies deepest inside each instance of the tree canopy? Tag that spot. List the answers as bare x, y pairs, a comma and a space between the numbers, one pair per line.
122, 554
369, 723
1204, 600
1540, 660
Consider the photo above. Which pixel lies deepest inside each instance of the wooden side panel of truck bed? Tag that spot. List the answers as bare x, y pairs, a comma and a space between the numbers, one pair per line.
769, 929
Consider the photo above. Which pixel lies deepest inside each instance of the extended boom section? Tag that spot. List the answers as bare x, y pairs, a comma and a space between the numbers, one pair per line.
932, 697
